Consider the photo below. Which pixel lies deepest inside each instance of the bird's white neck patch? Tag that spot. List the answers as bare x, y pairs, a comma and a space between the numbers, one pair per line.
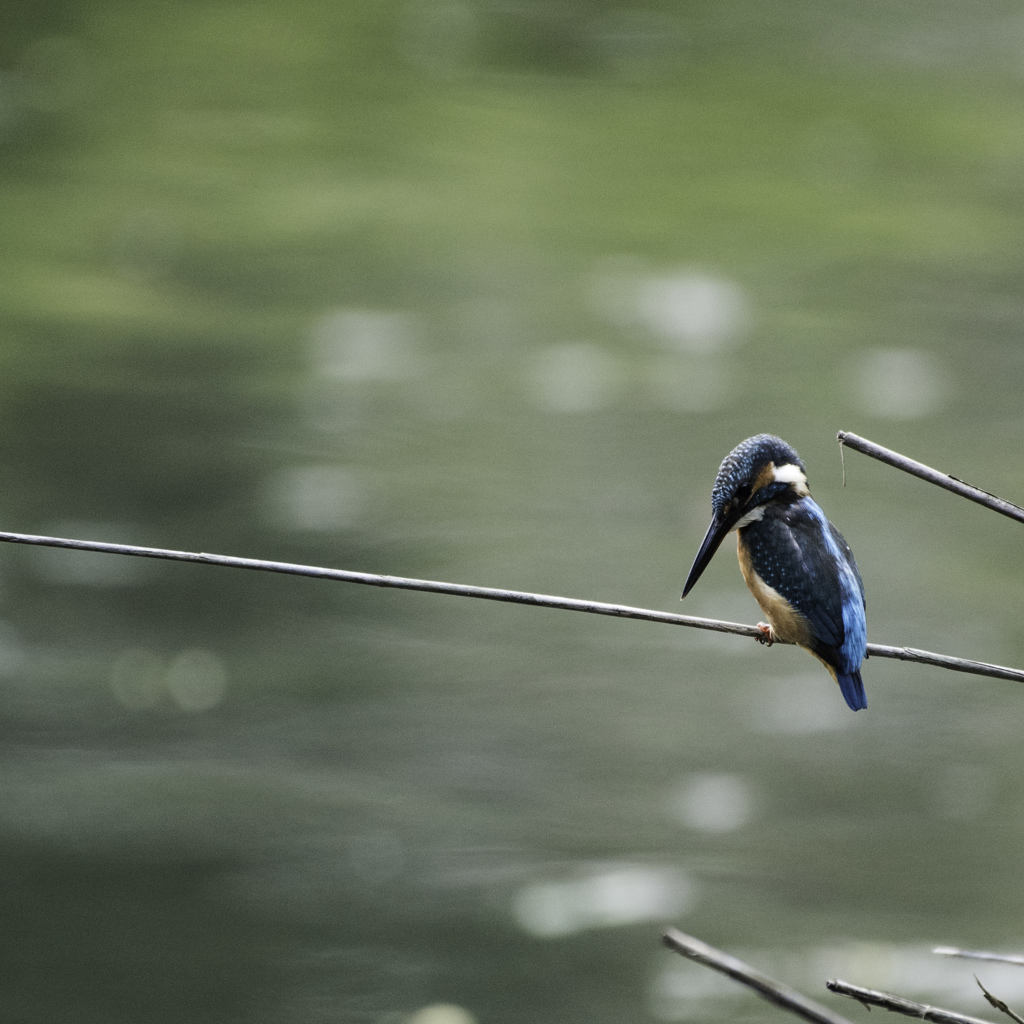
751, 517
791, 474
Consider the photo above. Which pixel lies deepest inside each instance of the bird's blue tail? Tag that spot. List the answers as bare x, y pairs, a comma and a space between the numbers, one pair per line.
853, 689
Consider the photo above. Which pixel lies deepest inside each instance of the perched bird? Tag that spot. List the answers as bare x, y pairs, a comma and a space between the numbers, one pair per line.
794, 561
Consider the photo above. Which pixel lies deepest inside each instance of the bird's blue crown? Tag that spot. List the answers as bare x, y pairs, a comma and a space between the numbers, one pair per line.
740, 467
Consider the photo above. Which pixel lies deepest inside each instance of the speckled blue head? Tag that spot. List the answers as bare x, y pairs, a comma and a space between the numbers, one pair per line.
761, 469
740, 469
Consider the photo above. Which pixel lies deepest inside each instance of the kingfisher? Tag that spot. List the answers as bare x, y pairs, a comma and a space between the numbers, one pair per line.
795, 562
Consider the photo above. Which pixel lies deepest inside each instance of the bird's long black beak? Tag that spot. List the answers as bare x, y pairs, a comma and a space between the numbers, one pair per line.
709, 545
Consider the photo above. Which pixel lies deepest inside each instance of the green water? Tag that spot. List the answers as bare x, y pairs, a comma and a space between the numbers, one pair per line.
484, 292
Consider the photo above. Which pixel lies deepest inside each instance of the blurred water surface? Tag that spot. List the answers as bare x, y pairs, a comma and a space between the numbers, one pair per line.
484, 292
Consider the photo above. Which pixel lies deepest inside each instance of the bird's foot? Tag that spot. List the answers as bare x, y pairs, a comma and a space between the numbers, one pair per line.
767, 636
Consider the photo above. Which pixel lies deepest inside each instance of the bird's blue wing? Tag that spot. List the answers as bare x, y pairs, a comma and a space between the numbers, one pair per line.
798, 553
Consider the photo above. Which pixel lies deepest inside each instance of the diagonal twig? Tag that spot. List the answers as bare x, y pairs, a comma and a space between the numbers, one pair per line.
998, 1003
897, 1004
978, 954
933, 476
978, 668
774, 991
573, 604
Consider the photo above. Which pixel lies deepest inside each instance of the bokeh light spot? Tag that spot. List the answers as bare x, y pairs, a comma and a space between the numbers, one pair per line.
694, 311
441, 1013
901, 384
316, 498
197, 680
363, 345
712, 803
606, 897
574, 377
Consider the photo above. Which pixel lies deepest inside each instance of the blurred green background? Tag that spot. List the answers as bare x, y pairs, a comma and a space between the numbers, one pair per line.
484, 291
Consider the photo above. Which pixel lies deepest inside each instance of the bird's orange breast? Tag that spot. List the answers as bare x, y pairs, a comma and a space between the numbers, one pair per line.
785, 620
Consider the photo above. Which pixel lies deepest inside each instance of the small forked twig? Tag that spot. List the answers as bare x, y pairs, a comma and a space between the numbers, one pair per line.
998, 1003
897, 1004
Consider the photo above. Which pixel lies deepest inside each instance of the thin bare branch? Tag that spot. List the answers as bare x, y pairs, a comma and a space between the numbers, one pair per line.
572, 604
774, 991
897, 1004
396, 582
996, 1002
977, 954
978, 668
933, 476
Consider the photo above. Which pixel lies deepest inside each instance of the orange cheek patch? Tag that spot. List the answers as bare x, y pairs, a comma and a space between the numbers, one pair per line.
765, 477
